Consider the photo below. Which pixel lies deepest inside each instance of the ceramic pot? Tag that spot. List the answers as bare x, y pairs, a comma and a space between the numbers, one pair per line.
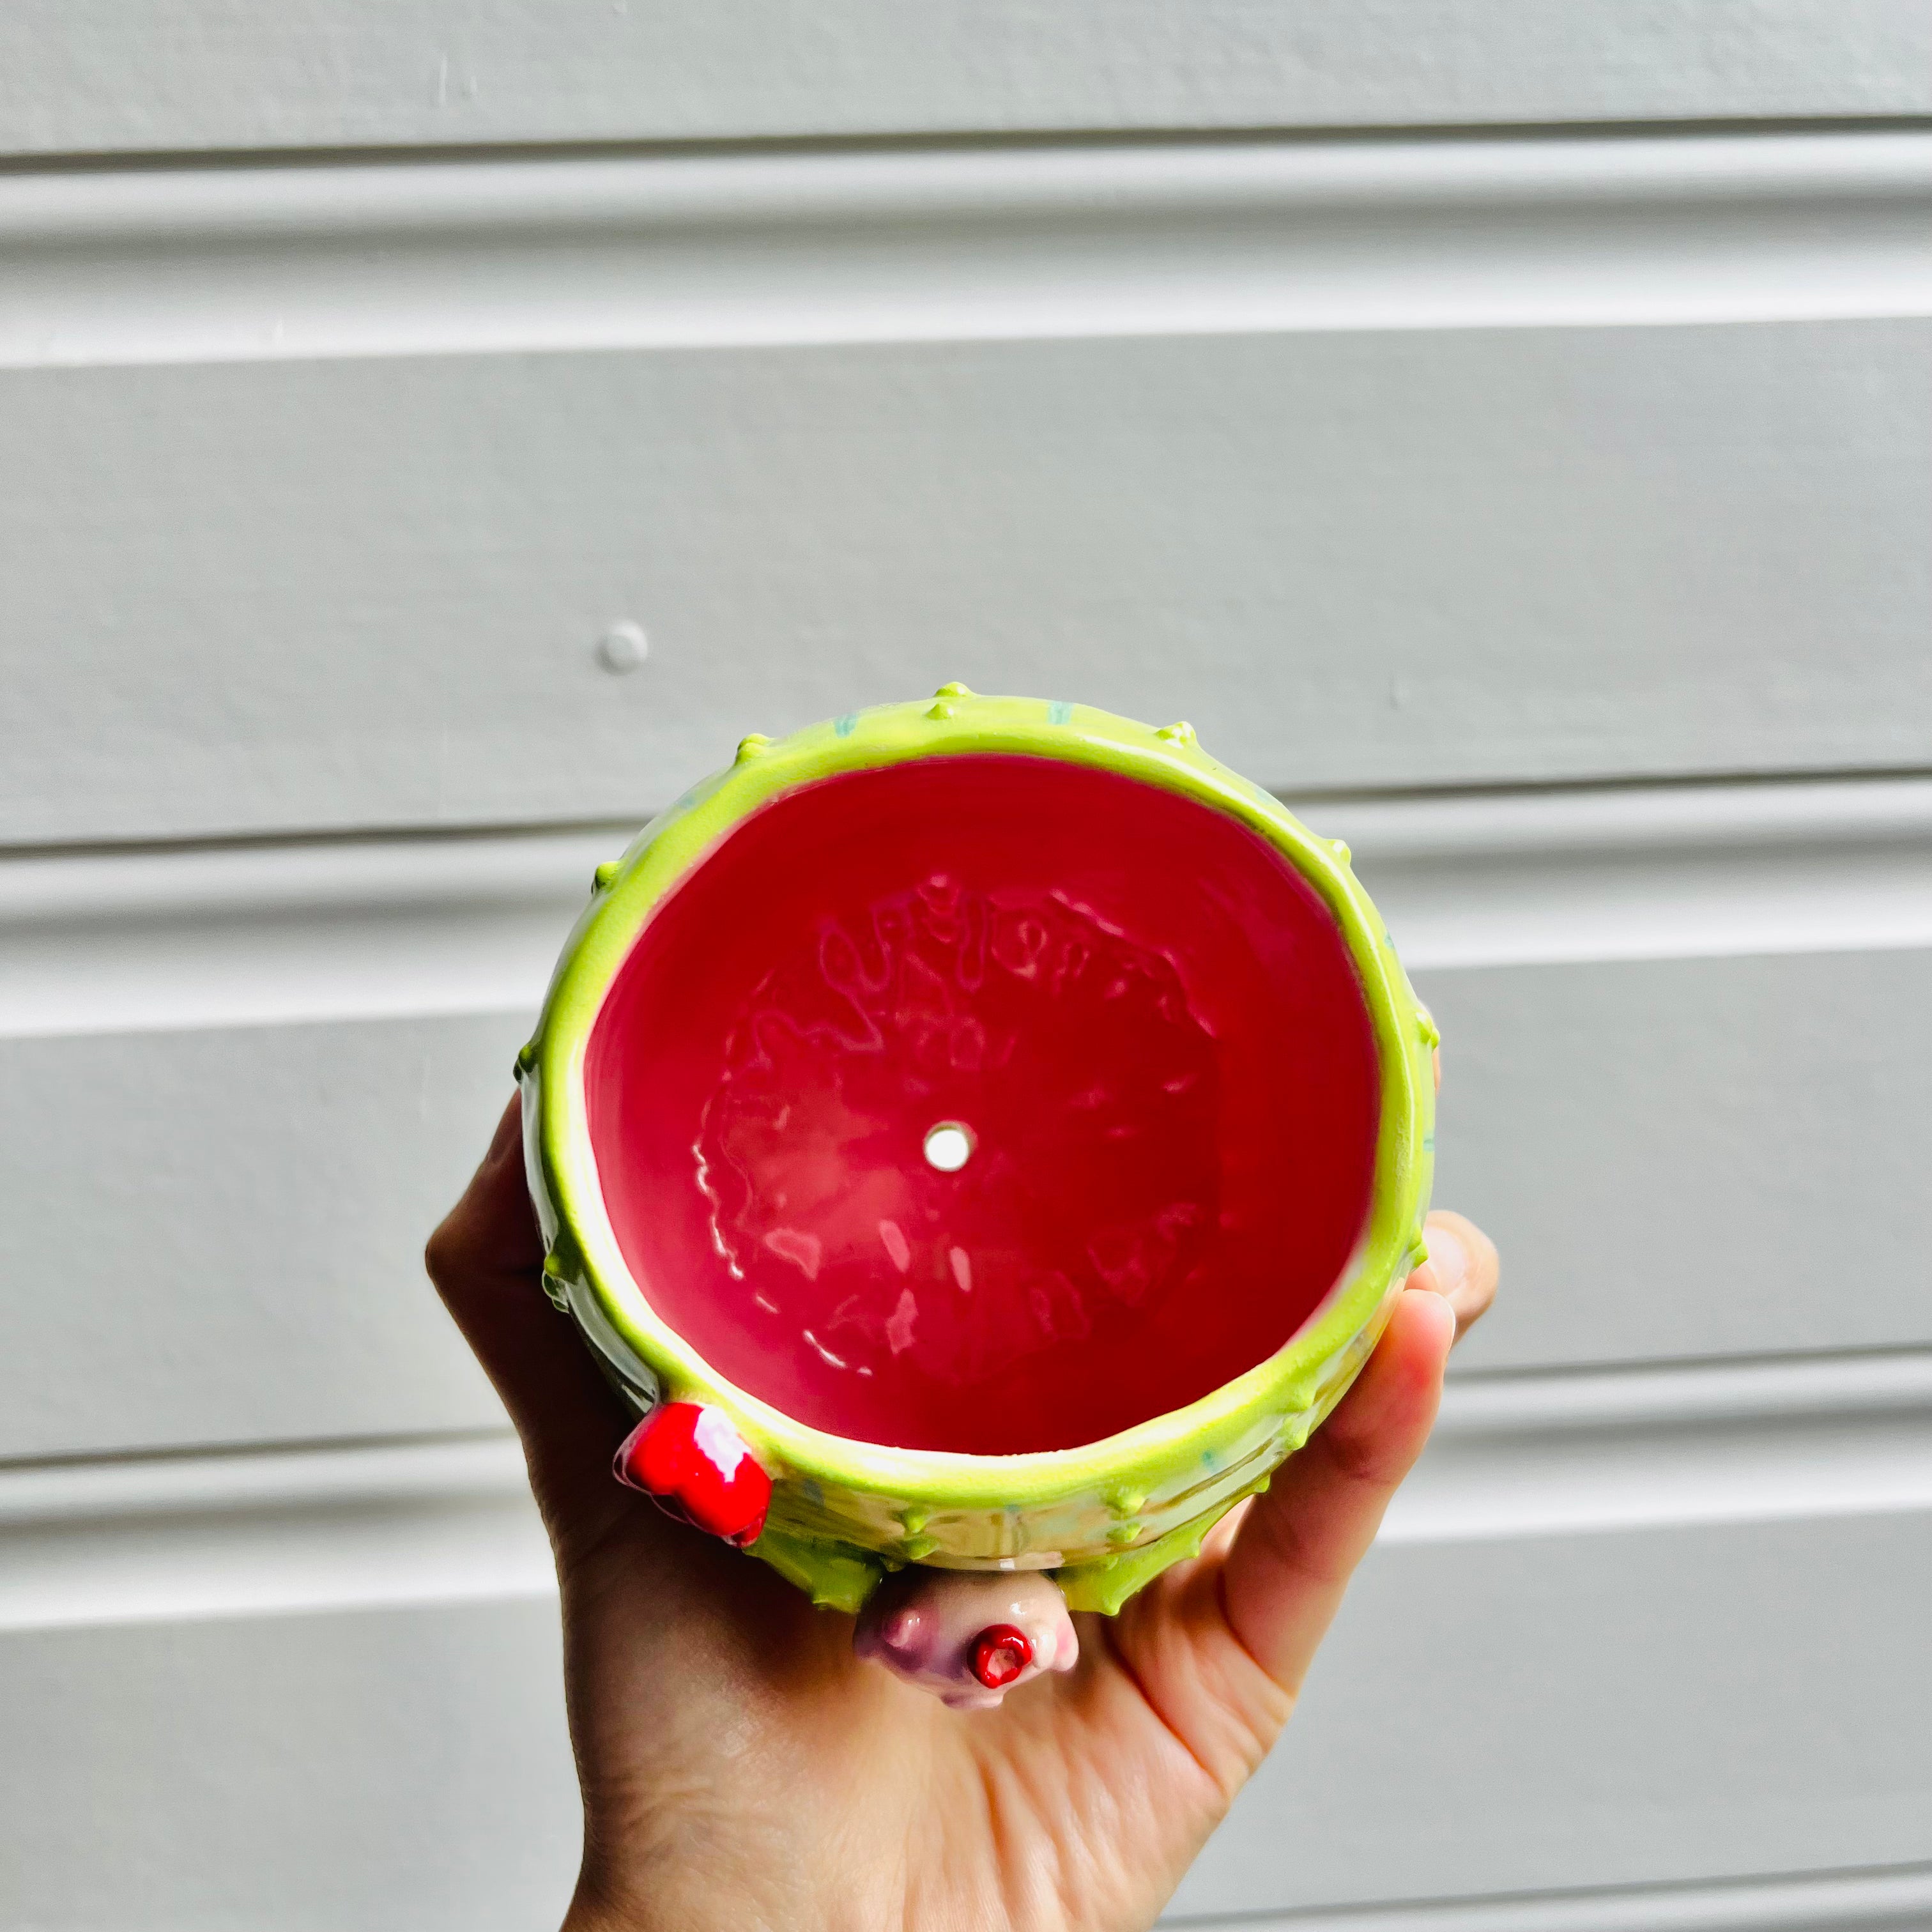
982, 1133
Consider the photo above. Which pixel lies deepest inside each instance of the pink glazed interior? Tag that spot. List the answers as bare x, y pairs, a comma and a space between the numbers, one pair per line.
985, 1103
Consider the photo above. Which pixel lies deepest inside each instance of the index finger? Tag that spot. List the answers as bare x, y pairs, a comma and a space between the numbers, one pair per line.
486, 1260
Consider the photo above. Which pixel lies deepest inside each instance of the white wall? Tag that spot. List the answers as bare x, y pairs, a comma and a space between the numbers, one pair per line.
1516, 451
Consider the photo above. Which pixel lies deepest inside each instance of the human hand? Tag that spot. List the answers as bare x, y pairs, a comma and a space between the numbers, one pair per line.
741, 1768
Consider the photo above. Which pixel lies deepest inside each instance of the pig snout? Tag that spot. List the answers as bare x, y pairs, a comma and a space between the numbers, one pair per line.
969, 1637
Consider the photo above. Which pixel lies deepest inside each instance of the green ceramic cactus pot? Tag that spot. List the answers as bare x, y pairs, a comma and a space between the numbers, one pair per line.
990, 1130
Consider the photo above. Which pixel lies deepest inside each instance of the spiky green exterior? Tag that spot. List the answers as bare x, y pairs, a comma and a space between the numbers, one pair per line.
1107, 1517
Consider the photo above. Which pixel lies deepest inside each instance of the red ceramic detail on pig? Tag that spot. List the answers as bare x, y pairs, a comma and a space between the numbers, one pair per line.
1000, 1654
690, 1460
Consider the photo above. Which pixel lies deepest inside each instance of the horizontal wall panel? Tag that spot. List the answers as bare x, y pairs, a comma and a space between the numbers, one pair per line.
1519, 1456
160, 1539
1011, 241
150, 939
1692, 1157
1679, 1158
136, 940
399, 1768
219, 1234
448, 1519
247, 598
1881, 1898
1662, 1707
1570, 1713
1641, 872
87, 76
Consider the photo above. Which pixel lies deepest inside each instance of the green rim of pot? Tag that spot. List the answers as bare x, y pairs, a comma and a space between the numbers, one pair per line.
584, 1249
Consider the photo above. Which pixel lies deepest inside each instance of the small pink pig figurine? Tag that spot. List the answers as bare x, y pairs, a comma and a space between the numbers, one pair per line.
968, 1636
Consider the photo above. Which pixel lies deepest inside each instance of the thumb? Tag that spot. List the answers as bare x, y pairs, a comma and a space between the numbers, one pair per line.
1300, 1544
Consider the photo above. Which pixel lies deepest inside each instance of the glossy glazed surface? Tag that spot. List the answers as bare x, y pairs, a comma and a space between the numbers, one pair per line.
968, 1637
1139, 1020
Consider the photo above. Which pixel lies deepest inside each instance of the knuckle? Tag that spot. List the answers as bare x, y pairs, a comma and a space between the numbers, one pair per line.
442, 1252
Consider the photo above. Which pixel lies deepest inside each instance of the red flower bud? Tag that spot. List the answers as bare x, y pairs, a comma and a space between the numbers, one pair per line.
691, 1461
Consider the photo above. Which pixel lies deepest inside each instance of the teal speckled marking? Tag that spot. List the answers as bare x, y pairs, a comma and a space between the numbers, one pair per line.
1429, 1143
1059, 714
847, 725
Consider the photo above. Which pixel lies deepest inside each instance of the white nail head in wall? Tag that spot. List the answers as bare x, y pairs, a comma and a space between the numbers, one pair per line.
622, 648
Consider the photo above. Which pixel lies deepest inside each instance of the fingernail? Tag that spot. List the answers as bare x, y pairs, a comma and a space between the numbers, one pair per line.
1449, 1259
